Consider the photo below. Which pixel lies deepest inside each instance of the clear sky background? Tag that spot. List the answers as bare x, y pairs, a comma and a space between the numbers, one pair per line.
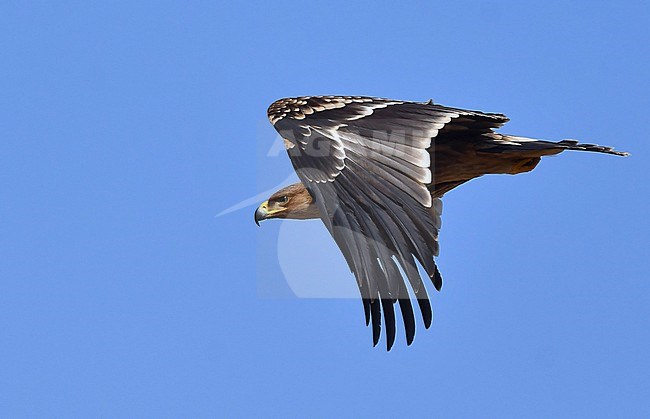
126, 127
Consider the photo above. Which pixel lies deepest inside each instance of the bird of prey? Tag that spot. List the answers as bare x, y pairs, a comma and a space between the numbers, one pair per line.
374, 170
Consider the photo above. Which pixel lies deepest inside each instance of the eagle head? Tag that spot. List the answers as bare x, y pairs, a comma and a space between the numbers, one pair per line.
292, 202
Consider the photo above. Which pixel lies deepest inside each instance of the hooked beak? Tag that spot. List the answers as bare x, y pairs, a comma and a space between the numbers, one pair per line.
261, 213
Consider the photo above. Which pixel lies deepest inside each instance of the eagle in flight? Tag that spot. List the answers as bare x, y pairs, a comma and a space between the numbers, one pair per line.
374, 170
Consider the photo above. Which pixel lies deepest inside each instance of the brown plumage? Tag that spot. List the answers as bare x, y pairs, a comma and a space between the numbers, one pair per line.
373, 171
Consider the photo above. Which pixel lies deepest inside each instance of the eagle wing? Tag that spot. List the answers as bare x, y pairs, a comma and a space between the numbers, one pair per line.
367, 163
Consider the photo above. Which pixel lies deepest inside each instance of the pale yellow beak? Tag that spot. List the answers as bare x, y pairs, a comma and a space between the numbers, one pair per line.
263, 212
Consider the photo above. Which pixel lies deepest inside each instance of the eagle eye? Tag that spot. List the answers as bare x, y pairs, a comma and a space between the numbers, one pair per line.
283, 199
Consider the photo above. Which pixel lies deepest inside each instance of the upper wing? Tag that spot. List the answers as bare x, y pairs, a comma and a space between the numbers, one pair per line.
367, 164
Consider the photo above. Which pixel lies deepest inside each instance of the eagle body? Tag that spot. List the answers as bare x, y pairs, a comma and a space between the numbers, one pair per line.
374, 170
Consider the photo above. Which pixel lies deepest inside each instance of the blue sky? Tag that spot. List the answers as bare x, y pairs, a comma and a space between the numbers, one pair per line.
128, 126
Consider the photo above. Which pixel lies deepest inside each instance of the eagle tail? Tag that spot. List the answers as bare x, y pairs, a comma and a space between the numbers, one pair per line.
575, 145
499, 143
